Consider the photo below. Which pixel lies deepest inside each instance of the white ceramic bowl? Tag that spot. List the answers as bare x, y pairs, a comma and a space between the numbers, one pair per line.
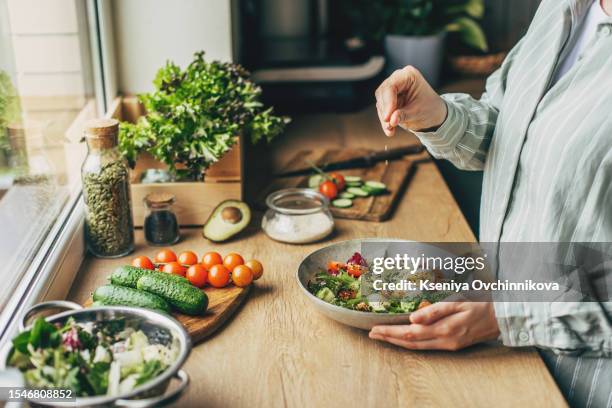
317, 261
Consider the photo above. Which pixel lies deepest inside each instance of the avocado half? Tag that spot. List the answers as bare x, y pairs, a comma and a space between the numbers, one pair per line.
227, 219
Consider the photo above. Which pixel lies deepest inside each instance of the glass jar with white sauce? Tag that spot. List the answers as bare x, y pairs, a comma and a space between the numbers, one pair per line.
297, 216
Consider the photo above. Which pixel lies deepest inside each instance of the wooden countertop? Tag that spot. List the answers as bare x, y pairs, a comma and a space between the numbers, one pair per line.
277, 351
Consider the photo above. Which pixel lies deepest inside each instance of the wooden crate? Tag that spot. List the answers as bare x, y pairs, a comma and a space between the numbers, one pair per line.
194, 200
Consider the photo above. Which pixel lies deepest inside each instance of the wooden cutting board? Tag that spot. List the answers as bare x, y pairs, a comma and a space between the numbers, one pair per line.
222, 303
394, 174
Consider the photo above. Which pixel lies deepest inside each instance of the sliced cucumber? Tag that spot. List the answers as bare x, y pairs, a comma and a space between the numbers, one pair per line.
376, 185
344, 194
354, 184
352, 179
373, 191
314, 181
342, 203
358, 192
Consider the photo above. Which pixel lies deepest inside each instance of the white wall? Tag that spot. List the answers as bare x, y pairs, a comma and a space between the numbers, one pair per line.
150, 32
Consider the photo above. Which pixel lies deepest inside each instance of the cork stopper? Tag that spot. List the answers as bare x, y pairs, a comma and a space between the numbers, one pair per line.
159, 200
102, 133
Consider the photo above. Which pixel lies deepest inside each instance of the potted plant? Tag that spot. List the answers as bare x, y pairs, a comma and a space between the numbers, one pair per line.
413, 31
193, 117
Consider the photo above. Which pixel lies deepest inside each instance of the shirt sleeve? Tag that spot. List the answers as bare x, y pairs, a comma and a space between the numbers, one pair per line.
465, 135
573, 328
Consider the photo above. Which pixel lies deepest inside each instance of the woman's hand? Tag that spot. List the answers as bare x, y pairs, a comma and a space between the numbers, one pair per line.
443, 326
406, 99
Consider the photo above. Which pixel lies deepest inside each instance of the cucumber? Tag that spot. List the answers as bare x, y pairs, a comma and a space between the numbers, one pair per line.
342, 203
185, 298
372, 191
129, 275
352, 179
358, 192
326, 295
314, 181
344, 194
113, 295
376, 185
354, 184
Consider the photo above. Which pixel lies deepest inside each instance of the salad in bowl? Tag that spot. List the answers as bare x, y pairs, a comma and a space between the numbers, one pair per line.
98, 356
91, 359
337, 282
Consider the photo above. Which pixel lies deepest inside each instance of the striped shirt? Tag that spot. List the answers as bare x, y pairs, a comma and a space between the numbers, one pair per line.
546, 151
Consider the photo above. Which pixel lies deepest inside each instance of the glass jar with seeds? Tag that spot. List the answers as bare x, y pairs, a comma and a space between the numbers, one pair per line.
109, 228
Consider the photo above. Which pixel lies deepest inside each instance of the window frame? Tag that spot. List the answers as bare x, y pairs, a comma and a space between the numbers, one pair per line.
53, 270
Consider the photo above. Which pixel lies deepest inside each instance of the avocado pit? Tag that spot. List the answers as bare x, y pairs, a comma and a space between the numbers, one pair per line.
231, 214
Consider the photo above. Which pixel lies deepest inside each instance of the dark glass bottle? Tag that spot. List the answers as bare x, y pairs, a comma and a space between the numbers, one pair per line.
160, 225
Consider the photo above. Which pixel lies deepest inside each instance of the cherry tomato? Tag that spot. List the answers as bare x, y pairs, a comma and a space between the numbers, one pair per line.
175, 268
197, 275
188, 258
210, 259
218, 276
328, 189
256, 267
333, 267
232, 260
165, 256
354, 270
242, 276
143, 262
338, 179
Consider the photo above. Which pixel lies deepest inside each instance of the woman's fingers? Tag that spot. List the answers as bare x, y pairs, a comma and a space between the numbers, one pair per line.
432, 344
384, 123
433, 313
389, 100
404, 332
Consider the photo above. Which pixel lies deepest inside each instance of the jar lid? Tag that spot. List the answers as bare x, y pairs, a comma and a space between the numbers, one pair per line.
101, 132
297, 201
159, 199
101, 127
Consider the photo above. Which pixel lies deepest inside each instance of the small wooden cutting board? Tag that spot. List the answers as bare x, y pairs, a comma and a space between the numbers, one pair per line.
394, 174
222, 303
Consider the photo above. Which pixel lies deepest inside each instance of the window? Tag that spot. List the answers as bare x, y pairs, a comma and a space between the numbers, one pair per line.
46, 92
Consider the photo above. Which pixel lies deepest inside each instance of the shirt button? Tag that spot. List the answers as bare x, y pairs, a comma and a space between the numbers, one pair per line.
605, 30
523, 336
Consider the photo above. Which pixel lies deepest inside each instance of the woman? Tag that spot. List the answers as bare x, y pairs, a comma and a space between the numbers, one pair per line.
542, 133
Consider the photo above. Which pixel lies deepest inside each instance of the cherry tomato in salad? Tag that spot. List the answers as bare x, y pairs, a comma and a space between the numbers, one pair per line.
334, 267
232, 260
143, 262
197, 275
242, 276
338, 179
174, 268
188, 258
256, 267
354, 270
165, 256
329, 189
211, 259
218, 276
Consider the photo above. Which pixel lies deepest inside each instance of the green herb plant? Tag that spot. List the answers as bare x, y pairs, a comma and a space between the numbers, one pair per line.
194, 115
372, 20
